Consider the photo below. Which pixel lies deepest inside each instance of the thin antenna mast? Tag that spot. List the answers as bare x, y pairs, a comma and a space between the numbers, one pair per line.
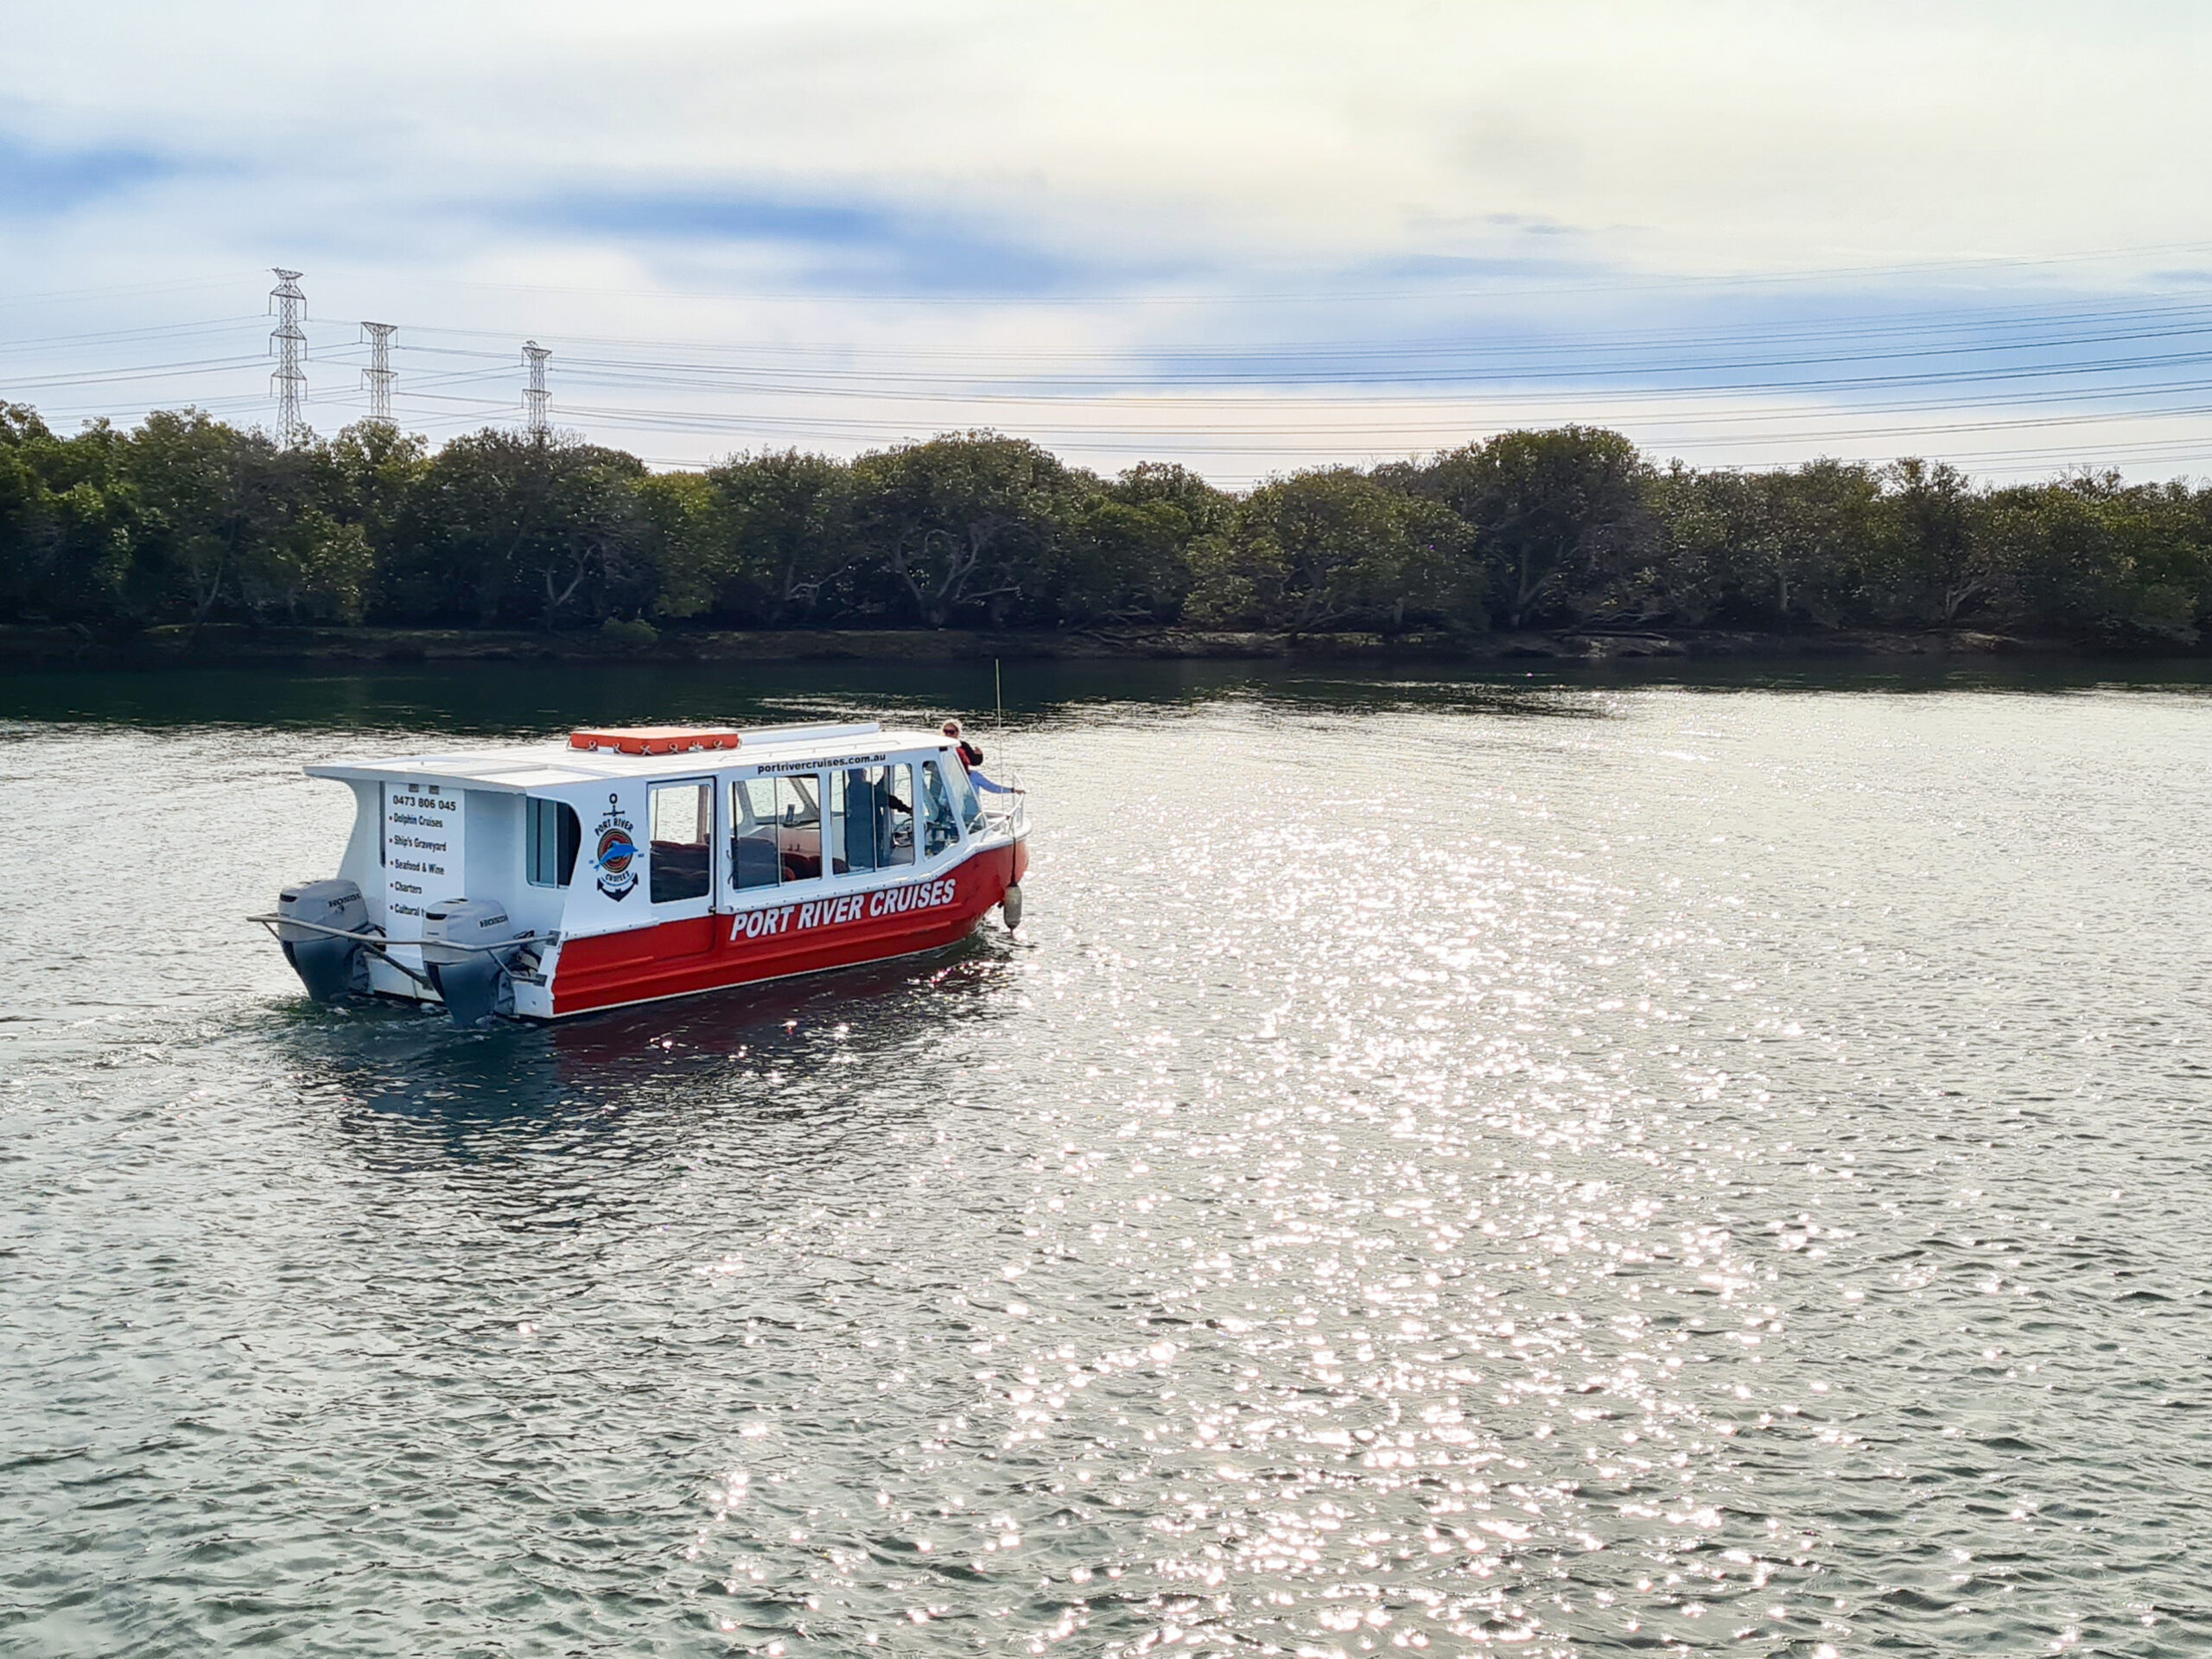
534, 396
378, 376
289, 342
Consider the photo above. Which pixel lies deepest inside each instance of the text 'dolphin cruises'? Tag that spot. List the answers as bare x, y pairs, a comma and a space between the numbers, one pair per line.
631, 864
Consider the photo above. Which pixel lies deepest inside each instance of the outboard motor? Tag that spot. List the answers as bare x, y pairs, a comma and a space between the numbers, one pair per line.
327, 965
473, 981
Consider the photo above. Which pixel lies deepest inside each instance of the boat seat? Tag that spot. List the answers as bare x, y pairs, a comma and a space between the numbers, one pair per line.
753, 860
679, 871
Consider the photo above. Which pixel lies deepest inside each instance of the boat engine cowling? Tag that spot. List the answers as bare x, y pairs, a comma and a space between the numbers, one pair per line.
327, 965
471, 977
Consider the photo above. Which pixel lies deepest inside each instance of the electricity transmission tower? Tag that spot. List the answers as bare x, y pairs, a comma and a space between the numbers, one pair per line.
534, 395
289, 342
378, 376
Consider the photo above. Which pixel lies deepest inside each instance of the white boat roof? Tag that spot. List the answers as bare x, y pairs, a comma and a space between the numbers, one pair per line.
553, 762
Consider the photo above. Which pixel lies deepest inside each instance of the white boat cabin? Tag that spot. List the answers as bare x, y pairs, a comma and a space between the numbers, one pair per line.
616, 831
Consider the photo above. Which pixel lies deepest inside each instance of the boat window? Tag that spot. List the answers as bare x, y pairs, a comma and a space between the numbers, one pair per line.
971, 808
681, 818
775, 830
871, 818
753, 860
940, 829
554, 835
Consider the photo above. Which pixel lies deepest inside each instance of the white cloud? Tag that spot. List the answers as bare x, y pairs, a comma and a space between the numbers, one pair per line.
1493, 170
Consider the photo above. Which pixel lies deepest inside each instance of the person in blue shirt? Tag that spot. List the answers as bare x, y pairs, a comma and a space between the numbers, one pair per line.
972, 759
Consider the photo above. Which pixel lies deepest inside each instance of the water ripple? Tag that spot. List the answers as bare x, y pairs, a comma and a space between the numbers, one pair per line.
1593, 1171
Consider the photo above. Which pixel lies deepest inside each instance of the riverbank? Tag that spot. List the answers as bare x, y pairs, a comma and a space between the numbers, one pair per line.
22, 647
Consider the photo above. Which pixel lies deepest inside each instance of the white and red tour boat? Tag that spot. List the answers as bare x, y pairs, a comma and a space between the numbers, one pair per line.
635, 863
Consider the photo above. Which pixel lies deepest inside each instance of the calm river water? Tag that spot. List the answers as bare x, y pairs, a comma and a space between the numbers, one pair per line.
1586, 1168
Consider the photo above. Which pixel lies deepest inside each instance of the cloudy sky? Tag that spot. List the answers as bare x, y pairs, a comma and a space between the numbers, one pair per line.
1247, 237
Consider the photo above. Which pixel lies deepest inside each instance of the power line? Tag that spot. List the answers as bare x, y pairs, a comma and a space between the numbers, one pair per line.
147, 372
1443, 367
62, 295
1306, 399
160, 331
1446, 365
1635, 283
1736, 337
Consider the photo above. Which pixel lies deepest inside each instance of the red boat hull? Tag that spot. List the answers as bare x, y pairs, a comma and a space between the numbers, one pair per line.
712, 953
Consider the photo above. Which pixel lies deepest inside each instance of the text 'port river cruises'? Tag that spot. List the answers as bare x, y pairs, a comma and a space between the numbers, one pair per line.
634, 863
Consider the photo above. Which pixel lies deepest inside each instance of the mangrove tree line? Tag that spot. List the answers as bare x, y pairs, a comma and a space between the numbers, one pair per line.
186, 520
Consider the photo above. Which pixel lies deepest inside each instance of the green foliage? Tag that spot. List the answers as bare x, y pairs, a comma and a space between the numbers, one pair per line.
628, 633
503, 528
680, 508
1762, 549
1334, 548
1931, 556
1562, 519
69, 525
188, 520
2091, 550
960, 522
780, 530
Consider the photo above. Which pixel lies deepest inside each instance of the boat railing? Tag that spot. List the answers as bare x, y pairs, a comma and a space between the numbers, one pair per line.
1008, 815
